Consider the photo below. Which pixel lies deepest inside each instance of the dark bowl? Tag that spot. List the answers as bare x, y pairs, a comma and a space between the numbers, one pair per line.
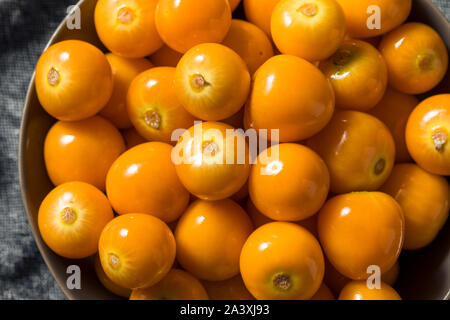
425, 274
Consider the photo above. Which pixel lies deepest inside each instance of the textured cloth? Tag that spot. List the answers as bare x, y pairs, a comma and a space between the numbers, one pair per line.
25, 28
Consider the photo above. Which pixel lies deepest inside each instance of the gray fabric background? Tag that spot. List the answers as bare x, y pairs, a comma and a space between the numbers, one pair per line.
25, 27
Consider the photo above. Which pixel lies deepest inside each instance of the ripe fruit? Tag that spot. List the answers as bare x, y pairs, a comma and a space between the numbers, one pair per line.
210, 236
107, 283
361, 229
124, 71
132, 138
428, 134
127, 28
310, 29
259, 12
153, 106
303, 98
335, 280
73, 80
241, 194
82, 151
324, 293
358, 13
250, 43
425, 212
290, 184
390, 277
204, 78
212, 160
358, 149
231, 289
183, 24
136, 250
166, 57
71, 218
176, 285
358, 74
143, 179
358, 290
394, 110
416, 58
282, 260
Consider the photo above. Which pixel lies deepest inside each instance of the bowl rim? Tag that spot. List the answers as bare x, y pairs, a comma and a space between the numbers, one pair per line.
22, 146
21, 160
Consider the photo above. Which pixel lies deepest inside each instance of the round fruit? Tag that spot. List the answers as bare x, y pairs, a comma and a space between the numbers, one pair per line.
124, 71
136, 250
428, 134
358, 74
231, 289
358, 149
184, 24
303, 98
358, 290
416, 58
143, 179
153, 106
176, 285
205, 77
259, 12
71, 218
210, 236
166, 57
359, 13
107, 282
361, 229
394, 110
127, 28
73, 80
324, 293
289, 185
212, 160
250, 43
241, 194
425, 212
82, 151
259, 219
282, 260
132, 138
390, 277
310, 29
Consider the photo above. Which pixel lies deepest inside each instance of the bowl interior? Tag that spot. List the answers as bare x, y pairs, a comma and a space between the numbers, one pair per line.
425, 274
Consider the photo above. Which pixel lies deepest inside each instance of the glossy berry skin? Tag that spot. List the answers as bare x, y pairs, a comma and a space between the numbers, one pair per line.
210, 236
310, 29
127, 27
259, 12
392, 13
416, 57
425, 212
282, 261
428, 134
71, 218
358, 149
183, 24
361, 229
73, 80
176, 285
231, 289
143, 179
136, 250
358, 290
291, 186
82, 151
304, 97
394, 110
